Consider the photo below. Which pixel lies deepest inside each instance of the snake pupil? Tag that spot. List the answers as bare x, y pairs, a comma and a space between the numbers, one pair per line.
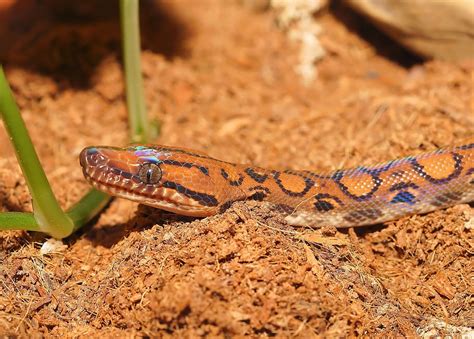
150, 173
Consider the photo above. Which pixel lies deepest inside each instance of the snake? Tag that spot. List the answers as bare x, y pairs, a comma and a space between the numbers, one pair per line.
191, 183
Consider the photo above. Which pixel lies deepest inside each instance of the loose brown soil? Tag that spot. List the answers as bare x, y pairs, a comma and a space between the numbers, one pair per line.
219, 76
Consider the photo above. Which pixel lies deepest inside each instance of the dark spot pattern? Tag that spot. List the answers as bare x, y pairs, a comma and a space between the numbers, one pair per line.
403, 197
465, 147
171, 162
238, 182
323, 205
338, 175
308, 183
203, 198
126, 175
457, 170
115, 170
260, 178
402, 186
259, 193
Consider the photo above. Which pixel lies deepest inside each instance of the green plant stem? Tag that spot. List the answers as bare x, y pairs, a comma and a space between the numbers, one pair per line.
18, 221
139, 126
81, 213
48, 214
87, 208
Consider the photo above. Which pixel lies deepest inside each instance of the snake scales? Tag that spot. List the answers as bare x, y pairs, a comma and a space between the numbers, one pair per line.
191, 183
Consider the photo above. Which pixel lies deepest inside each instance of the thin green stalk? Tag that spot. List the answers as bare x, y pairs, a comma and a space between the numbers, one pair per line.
48, 214
87, 208
18, 221
139, 126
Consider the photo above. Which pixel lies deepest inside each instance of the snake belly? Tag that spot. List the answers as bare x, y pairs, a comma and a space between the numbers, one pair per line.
191, 183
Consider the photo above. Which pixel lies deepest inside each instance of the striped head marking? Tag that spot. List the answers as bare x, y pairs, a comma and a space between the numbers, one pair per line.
163, 177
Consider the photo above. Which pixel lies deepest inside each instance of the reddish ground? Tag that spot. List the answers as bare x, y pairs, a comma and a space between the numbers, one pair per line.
219, 76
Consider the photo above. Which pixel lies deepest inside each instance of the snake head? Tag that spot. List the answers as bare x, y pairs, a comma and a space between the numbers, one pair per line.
167, 178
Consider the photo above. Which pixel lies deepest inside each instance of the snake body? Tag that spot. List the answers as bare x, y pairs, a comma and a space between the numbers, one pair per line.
191, 183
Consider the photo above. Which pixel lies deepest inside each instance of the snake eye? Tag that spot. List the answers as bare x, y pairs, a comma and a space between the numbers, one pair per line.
150, 173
